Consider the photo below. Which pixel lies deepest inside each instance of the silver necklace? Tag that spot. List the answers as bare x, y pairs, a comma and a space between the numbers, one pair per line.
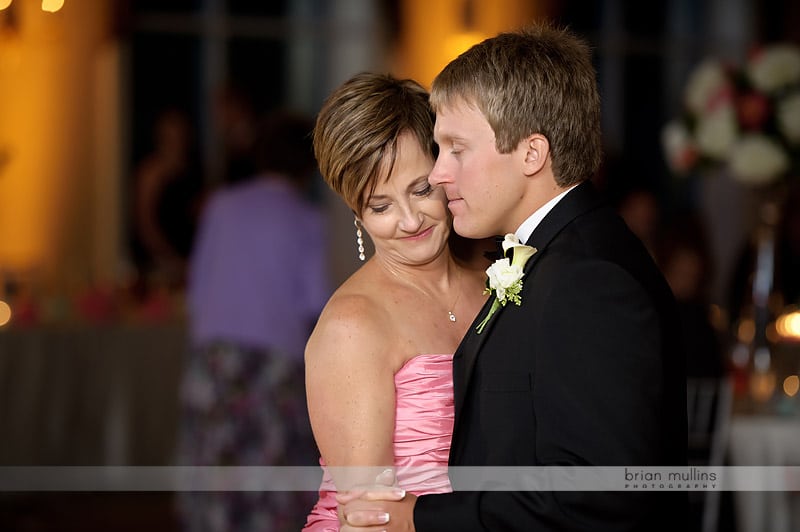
450, 312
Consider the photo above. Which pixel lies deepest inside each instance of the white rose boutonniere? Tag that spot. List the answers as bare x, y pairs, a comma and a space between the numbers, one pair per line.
505, 276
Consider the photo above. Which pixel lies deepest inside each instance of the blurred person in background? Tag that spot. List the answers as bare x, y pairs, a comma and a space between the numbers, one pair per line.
238, 121
787, 270
786, 279
257, 282
684, 258
640, 209
168, 191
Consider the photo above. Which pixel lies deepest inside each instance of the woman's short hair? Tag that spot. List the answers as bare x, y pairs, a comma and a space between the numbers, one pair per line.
356, 132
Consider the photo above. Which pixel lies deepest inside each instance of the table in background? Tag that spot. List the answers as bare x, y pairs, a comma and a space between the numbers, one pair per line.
766, 440
90, 395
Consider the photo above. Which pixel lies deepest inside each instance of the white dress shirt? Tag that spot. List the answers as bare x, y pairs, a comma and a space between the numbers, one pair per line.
525, 230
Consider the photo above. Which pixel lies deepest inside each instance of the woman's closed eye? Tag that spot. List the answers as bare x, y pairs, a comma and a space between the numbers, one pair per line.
377, 209
424, 191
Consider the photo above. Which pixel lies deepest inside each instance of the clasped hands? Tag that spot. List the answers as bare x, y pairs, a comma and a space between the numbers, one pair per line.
378, 506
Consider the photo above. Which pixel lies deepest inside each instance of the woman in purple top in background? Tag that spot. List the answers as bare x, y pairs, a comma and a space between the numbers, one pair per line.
257, 282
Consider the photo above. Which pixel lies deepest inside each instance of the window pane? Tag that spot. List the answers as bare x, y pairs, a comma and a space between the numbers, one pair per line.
258, 67
271, 8
166, 6
165, 73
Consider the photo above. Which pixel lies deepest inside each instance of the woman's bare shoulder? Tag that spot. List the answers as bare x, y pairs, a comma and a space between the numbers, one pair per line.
355, 304
354, 324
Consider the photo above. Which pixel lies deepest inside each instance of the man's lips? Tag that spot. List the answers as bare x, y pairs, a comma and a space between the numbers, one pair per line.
453, 201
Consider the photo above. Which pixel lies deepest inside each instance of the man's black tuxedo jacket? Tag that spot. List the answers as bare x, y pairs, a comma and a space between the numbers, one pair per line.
585, 372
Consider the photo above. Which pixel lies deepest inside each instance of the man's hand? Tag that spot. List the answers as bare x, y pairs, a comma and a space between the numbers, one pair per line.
376, 506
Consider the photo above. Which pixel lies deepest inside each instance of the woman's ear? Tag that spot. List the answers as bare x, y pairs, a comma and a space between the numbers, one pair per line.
537, 151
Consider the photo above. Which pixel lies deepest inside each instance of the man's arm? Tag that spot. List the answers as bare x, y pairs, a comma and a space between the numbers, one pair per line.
598, 396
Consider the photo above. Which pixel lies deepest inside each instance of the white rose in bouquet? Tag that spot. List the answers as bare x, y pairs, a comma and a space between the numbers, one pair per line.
758, 160
788, 115
707, 83
716, 132
775, 67
679, 147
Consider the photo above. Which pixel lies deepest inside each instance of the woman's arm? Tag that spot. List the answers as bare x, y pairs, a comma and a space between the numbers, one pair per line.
350, 390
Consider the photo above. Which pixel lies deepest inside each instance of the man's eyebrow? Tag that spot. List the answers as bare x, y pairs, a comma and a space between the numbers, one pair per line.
447, 136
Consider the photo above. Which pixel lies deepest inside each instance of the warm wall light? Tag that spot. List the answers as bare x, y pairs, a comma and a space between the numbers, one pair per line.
762, 386
51, 6
434, 33
791, 385
5, 313
4, 4
746, 331
788, 325
458, 43
463, 40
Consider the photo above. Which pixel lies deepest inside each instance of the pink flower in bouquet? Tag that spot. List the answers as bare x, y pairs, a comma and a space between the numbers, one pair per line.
752, 110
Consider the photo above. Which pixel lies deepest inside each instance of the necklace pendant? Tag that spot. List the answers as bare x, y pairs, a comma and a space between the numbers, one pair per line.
451, 316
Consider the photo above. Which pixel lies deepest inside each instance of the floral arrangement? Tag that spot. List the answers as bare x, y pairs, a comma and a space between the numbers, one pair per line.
746, 118
505, 276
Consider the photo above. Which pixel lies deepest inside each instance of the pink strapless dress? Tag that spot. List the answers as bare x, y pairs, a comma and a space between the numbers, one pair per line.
422, 433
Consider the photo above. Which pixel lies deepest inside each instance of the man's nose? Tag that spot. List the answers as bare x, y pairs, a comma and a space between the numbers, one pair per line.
438, 174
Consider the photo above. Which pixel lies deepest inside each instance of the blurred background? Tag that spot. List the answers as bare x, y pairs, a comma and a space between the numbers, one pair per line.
118, 119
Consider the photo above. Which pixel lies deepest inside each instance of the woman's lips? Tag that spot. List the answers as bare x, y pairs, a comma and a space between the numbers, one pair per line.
421, 234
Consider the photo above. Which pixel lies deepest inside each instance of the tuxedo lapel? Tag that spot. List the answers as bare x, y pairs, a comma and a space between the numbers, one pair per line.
580, 200
464, 358
463, 363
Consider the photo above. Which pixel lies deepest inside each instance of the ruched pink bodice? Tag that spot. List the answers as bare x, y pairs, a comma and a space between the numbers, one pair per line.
422, 434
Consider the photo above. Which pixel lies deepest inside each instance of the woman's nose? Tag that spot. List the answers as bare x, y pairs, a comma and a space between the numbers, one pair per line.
412, 219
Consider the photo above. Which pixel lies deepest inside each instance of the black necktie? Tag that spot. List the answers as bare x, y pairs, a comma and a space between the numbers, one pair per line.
498, 253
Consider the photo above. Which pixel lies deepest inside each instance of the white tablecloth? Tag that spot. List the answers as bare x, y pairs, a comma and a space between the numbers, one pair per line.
766, 441
82, 395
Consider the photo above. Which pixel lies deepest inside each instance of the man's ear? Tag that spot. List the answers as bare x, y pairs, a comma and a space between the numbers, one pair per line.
537, 152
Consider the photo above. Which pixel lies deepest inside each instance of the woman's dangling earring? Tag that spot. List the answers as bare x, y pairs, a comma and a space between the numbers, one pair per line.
359, 240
